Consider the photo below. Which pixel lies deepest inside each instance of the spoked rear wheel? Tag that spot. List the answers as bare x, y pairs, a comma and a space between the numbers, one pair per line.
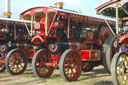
119, 69
70, 65
16, 61
39, 61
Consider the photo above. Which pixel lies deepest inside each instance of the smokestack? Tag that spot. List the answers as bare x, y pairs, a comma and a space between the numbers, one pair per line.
7, 12
59, 5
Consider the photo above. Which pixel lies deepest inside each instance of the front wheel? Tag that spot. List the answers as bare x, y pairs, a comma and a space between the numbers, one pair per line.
119, 69
70, 65
39, 64
16, 61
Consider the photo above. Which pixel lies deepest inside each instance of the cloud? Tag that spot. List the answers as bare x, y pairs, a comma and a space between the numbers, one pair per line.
73, 2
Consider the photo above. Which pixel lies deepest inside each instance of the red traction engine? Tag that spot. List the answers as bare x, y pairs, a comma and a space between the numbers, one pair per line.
15, 46
66, 40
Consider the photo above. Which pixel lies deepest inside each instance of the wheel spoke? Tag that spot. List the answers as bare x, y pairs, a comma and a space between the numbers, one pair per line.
72, 72
21, 65
18, 67
68, 72
12, 67
66, 69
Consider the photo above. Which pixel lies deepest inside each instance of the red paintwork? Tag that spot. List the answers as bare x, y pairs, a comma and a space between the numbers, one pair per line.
42, 24
31, 53
2, 61
90, 55
54, 60
37, 38
85, 54
55, 57
123, 39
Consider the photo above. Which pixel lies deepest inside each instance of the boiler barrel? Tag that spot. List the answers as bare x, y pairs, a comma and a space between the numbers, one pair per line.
72, 44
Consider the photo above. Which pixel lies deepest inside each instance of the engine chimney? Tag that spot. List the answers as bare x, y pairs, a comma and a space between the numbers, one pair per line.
59, 5
7, 12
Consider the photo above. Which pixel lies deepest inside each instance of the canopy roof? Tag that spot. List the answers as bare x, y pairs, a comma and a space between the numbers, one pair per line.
109, 8
40, 12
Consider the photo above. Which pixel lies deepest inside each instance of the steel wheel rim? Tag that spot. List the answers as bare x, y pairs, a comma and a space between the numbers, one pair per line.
42, 69
72, 66
17, 62
122, 69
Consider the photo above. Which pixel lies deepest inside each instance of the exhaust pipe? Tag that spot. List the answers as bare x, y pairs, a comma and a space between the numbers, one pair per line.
59, 5
7, 12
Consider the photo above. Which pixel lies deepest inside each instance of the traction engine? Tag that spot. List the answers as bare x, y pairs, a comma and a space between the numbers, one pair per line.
66, 40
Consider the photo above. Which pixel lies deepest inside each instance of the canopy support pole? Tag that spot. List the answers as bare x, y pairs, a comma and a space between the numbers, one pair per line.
34, 21
32, 16
117, 19
46, 26
68, 27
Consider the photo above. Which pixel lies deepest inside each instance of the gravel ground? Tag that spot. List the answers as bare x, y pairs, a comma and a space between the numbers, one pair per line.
95, 77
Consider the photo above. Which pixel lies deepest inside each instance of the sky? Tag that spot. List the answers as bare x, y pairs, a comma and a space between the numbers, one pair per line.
87, 6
